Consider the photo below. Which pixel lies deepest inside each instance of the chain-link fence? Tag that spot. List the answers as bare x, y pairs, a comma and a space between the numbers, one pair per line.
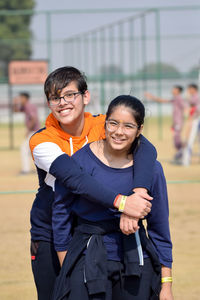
151, 49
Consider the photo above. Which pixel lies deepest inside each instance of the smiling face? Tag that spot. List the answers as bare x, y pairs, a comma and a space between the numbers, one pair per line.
72, 113
122, 137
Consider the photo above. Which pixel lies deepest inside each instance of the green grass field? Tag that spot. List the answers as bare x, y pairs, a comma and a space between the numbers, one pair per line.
15, 273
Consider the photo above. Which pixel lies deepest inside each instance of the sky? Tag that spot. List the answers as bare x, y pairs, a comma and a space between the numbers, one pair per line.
182, 53
66, 4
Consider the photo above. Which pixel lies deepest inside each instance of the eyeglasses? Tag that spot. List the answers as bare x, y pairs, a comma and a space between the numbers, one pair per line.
68, 98
128, 128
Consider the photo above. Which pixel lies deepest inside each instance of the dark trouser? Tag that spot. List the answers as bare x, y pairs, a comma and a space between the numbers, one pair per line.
45, 267
118, 287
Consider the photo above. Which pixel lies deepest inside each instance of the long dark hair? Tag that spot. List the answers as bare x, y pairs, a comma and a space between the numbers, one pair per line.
137, 109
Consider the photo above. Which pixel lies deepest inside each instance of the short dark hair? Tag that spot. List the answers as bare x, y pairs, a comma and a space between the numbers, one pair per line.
193, 86
25, 94
179, 87
61, 77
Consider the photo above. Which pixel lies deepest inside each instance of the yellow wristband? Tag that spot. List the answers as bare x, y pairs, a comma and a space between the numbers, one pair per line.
166, 279
122, 203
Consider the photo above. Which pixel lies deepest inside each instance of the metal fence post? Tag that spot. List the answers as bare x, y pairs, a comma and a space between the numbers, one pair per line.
94, 52
103, 51
144, 52
11, 121
48, 40
131, 47
144, 63
159, 72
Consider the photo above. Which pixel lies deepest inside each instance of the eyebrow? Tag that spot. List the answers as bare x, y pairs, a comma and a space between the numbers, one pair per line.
127, 123
71, 91
66, 92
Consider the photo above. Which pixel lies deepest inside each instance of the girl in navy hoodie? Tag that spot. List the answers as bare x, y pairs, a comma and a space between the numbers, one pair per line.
102, 261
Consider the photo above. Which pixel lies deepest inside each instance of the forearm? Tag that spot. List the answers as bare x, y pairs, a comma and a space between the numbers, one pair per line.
166, 287
160, 100
49, 157
166, 272
67, 171
144, 161
155, 98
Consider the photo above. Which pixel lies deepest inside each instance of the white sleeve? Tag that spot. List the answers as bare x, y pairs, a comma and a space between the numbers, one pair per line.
45, 153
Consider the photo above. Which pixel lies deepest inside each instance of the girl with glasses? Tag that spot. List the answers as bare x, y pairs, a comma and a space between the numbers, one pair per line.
105, 257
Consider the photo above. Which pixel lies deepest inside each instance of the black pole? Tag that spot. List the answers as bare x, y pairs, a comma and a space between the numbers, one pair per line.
11, 123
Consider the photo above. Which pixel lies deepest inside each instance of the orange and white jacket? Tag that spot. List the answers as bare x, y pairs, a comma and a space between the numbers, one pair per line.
50, 142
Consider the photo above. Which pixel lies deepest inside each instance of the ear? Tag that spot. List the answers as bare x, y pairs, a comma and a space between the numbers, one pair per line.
140, 130
86, 97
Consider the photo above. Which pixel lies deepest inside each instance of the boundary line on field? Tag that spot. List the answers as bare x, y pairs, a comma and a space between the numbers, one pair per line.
17, 192
183, 181
35, 191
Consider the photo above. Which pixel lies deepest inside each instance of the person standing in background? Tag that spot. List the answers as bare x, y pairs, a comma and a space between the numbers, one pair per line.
178, 106
193, 95
193, 122
22, 104
193, 102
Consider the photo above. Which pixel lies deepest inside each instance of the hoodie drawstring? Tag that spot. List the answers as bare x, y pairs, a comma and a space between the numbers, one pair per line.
71, 144
86, 138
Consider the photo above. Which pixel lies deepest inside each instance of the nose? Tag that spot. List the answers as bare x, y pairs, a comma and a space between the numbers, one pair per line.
119, 129
62, 101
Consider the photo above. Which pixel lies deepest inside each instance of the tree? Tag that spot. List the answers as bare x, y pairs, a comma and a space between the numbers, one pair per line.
15, 33
154, 71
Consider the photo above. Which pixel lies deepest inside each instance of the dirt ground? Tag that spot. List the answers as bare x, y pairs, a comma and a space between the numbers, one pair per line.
16, 281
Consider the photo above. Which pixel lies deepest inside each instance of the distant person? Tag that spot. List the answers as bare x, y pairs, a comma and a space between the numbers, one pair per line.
192, 105
178, 105
193, 99
23, 104
193, 122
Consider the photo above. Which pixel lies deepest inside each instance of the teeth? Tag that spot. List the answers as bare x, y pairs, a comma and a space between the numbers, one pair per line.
118, 140
65, 110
